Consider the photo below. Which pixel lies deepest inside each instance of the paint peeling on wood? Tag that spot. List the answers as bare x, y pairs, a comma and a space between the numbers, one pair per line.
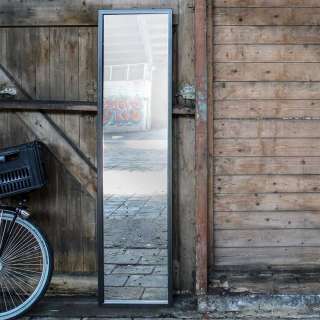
202, 105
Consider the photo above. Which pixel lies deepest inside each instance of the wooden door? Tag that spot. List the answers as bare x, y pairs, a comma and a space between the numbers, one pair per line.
49, 53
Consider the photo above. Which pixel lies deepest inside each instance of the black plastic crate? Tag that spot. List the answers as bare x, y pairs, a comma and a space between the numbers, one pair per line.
21, 169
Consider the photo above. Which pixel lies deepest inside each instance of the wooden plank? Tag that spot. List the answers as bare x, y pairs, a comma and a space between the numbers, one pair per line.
267, 129
42, 60
267, 109
3, 114
3, 47
69, 106
185, 46
4, 129
257, 257
57, 92
267, 3
267, 184
183, 202
28, 61
267, 71
267, 220
266, 165
266, 35
201, 147
88, 88
13, 59
210, 81
267, 147
88, 136
60, 210
266, 53
285, 282
88, 223
88, 131
176, 212
267, 238
267, 202
79, 106
57, 64
88, 64
71, 81
44, 131
267, 17
66, 13
74, 237
183, 214
71, 63
266, 90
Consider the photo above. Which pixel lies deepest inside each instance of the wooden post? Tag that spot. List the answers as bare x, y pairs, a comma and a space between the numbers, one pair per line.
201, 147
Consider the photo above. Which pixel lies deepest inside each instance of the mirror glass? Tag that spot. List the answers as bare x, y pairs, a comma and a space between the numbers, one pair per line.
136, 143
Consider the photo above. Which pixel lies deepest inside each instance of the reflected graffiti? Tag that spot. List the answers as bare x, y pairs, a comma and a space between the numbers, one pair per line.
124, 111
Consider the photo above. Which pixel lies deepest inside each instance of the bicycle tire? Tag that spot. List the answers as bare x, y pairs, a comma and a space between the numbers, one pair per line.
28, 247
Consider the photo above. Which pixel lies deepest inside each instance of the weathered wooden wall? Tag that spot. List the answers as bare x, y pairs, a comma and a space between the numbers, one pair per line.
52, 54
57, 64
266, 134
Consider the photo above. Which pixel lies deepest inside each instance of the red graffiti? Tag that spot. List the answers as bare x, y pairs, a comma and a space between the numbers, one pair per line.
123, 111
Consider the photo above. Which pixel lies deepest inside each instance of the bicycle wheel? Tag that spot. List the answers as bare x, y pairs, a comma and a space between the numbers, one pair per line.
26, 264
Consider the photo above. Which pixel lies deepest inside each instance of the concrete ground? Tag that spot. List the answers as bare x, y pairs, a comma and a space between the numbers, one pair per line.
237, 307
264, 295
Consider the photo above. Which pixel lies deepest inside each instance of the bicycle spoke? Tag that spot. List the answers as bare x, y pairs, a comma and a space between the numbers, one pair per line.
23, 251
34, 258
14, 291
23, 278
3, 297
14, 246
22, 264
20, 279
3, 233
16, 241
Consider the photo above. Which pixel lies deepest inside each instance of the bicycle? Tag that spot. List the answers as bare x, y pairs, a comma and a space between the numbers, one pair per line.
26, 257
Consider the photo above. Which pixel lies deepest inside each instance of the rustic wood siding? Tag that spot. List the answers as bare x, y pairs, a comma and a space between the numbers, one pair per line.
46, 62
266, 133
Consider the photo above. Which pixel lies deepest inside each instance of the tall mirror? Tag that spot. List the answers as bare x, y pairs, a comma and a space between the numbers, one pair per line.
135, 156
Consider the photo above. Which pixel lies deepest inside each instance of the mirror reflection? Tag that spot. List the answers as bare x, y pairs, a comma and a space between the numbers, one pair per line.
135, 178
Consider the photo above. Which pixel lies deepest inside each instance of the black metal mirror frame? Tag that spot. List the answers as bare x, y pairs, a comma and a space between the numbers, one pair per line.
100, 229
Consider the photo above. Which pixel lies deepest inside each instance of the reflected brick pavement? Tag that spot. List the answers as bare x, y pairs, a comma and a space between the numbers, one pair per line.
136, 248
135, 227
